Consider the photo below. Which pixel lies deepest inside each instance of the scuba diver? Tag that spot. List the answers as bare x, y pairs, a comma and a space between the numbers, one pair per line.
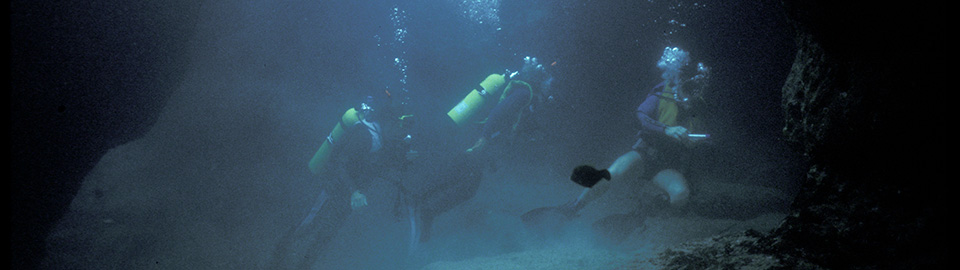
515, 93
496, 109
666, 129
361, 147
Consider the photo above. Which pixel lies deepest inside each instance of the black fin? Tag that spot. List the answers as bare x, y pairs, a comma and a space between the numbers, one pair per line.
606, 174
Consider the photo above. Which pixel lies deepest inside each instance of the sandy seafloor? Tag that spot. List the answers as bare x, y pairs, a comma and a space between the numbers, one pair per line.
164, 224
576, 247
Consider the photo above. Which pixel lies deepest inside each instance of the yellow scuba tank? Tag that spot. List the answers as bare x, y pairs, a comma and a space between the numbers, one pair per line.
318, 162
477, 100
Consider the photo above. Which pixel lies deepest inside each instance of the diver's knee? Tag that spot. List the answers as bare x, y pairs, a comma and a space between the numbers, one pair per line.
675, 185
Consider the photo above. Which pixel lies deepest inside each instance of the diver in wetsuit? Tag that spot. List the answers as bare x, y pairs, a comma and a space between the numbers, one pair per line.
499, 106
665, 130
520, 93
360, 148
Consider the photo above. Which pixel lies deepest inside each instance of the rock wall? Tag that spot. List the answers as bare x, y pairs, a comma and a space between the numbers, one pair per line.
85, 77
862, 103
853, 105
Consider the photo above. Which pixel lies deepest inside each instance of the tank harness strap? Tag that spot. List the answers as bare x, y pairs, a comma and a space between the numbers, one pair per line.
481, 91
330, 139
485, 95
529, 104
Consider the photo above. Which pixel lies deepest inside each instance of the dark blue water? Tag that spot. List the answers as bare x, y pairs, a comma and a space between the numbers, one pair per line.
223, 171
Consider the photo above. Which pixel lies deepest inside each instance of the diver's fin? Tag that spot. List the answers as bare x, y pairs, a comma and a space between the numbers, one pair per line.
414, 230
317, 205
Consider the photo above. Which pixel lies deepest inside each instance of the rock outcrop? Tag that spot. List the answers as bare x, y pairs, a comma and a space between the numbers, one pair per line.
857, 101
85, 77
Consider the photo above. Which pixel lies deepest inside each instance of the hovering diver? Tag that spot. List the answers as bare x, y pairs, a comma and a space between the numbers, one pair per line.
666, 123
362, 146
501, 102
499, 106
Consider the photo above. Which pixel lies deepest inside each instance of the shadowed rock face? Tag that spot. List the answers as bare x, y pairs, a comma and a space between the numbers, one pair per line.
86, 76
872, 197
867, 200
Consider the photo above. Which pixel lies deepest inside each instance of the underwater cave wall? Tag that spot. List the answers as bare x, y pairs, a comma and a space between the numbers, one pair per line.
85, 77
853, 103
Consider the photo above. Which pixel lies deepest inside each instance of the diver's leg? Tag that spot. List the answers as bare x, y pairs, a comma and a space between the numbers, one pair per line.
621, 166
463, 180
303, 243
616, 227
279, 260
328, 223
674, 185
284, 254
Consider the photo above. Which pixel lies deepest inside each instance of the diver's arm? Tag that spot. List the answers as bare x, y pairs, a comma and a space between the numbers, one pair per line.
645, 113
349, 151
357, 199
501, 118
505, 113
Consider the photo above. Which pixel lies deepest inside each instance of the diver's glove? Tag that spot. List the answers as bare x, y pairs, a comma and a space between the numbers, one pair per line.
478, 146
676, 132
357, 200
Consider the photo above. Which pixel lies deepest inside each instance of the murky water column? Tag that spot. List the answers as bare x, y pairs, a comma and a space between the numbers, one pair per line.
398, 49
486, 13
